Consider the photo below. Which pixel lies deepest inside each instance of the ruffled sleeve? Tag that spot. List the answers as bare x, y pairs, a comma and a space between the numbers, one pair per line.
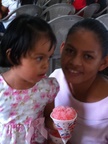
54, 89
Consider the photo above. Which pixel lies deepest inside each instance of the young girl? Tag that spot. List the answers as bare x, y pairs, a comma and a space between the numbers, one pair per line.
83, 80
25, 91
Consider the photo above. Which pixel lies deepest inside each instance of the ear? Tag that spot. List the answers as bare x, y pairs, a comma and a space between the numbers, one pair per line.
104, 64
8, 53
61, 47
8, 56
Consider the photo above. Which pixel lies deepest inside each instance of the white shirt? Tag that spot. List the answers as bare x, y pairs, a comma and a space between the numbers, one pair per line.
11, 5
92, 122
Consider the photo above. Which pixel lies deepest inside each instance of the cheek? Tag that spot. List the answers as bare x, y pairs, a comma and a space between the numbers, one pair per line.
92, 68
63, 63
64, 59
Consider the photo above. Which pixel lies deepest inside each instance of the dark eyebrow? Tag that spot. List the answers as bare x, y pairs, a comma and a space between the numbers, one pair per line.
40, 54
89, 52
67, 44
71, 46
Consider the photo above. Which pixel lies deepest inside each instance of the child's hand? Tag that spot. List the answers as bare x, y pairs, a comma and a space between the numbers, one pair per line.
50, 142
68, 143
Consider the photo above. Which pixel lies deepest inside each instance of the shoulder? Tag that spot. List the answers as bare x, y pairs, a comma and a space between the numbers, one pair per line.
52, 81
49, 83
100, 88
60, 77
104, 82
64, 96
1, 80
3, 84
50, 86
58, 74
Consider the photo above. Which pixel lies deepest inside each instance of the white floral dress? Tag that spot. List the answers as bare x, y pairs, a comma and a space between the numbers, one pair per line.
22, 110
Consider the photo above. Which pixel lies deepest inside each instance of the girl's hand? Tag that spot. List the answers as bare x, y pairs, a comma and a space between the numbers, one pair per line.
50, 142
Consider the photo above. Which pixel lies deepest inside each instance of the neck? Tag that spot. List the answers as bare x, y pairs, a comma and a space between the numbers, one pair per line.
15, 81
81, 91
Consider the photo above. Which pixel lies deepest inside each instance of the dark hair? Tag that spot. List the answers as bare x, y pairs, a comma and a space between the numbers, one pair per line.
23, 2
21, 36
99, 30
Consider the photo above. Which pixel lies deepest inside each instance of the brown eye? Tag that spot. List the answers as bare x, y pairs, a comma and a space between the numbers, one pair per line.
87, 56
69, 51
39, 58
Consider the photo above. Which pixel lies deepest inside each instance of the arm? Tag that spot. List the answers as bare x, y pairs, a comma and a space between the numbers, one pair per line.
48, 121
3, 11
54, 89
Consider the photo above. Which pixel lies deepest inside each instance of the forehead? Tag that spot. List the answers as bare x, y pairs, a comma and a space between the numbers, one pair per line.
84, 34
42, 42
42, 46
85, 39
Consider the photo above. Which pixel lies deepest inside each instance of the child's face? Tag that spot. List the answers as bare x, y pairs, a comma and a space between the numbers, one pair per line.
81, 57
35, 65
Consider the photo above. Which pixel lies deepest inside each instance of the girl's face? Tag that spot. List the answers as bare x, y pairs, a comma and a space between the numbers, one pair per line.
81, 57
35, 65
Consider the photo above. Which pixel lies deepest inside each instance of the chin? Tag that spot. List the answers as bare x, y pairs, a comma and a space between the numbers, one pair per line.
39, 79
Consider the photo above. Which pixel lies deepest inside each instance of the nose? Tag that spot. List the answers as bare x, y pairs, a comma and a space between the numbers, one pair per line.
76, 60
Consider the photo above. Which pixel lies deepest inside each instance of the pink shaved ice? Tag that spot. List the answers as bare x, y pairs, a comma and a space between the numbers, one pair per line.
63, 113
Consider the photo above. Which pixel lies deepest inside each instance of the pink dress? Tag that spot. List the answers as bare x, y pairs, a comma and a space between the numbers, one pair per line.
21, 111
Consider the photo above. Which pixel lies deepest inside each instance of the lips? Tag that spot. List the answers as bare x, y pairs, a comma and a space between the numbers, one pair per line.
42, 75
74, 72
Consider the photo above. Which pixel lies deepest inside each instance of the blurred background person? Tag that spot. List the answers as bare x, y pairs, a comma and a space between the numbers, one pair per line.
7, 6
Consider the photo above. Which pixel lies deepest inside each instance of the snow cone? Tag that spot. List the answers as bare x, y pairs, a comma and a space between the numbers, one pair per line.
64, 118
